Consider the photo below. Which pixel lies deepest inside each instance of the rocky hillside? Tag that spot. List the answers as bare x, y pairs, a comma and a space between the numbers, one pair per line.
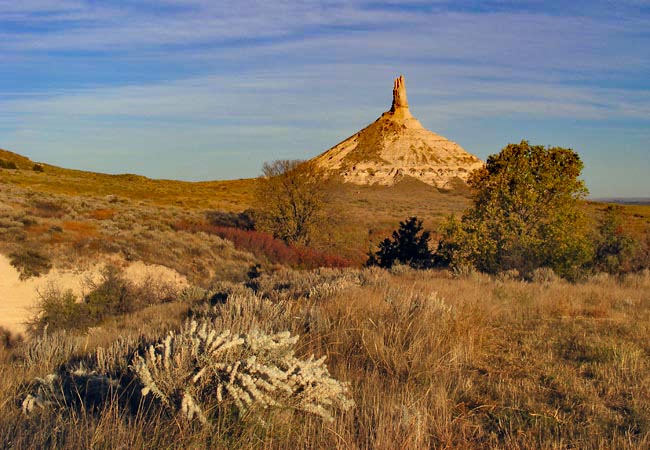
397, 145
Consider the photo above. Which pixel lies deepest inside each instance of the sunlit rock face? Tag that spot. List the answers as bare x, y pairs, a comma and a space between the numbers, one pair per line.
397, 145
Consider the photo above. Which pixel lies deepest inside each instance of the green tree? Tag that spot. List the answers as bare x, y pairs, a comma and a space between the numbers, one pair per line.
525, 214
290, 199
641, 258
614, 248
407, 246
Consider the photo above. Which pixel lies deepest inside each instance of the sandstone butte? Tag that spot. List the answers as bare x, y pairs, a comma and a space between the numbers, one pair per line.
396, 146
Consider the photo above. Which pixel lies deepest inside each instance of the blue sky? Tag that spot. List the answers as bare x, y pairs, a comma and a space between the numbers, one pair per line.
199, 89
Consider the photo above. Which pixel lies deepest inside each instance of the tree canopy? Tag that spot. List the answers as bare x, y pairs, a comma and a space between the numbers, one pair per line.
290, 198
525, 214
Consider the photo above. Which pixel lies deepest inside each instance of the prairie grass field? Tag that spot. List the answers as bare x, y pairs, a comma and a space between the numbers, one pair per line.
431, 361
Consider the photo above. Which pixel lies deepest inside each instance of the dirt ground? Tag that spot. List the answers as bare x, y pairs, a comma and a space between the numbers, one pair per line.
19, 298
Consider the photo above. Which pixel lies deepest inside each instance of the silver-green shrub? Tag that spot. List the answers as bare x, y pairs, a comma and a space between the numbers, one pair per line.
189, 369
194, 371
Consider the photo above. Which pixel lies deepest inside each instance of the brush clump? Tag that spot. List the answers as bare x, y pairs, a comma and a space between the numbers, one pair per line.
188, 368
200, 369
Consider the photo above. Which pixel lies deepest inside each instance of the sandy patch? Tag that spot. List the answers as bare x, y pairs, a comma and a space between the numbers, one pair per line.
137, 272
19, 298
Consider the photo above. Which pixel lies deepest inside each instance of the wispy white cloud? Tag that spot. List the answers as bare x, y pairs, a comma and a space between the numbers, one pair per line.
446, 34
276, 95
287, 78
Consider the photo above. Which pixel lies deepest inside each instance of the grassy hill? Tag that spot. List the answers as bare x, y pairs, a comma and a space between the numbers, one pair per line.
430, 359
360, 216
225, 195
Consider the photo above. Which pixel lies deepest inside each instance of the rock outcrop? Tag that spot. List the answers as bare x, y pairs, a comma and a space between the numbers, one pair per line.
397, 145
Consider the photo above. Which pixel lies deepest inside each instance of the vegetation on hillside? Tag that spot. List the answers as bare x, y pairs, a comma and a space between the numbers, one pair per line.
614, 247
109, 296
290, 200
526, 221
30, 263
430, 358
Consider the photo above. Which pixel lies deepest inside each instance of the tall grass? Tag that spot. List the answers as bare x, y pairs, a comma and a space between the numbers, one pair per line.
432, 362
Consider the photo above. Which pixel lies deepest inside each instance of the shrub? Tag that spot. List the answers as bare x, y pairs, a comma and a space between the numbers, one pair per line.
59, 310
50, 349
112, 295
641, 259
265, 246
407, 247
276, 251
30, 263
49, 209
190, 369
614, 249
525, 214
509, 275
544, 275
38, 168
197, 373
8, 165
9, 340
243, 220
102, 214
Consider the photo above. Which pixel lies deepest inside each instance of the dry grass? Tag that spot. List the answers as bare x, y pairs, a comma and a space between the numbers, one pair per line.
75, 231
433, 362
360, 216
224, 195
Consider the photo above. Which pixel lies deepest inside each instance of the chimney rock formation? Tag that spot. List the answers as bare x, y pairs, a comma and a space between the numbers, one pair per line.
397, 145
399, 94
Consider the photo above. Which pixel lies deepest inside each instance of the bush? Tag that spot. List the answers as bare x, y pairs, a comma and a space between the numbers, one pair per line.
525, 215
49, 209
197, 373
188, 370
543, 275
30, 263
59, 310
38, 168
276, 251
290, 200
407, 247
9, 340
243, 220
8, 165
641, 259
112, 295
614, 249
265, 246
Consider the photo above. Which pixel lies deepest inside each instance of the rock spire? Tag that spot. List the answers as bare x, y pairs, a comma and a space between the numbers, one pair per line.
396, 146
399, 94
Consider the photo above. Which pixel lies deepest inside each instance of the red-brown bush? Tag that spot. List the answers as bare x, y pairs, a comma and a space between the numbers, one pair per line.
265, 246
